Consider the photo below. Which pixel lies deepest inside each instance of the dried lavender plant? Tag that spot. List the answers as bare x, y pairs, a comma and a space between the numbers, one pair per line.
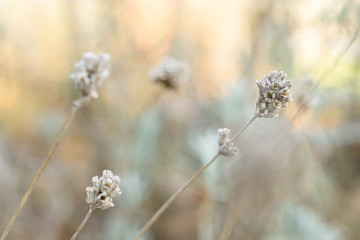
227, 229
274, 94
100, 195
226, 145
90, 73
170, 73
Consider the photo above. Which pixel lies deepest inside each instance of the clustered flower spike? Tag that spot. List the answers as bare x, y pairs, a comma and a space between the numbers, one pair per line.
274, 94
104, 189
170, 72
90, 73
226, 146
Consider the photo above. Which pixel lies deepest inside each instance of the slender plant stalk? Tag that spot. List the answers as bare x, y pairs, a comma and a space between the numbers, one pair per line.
46, 161
243, 129
230, 223
82, 224
331, 66
326, 73
166, 205
151, 100
229, 226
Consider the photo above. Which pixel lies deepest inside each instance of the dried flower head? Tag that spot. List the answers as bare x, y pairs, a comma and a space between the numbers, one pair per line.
104, 189
90, 73
274, 94
226, 146
170, 72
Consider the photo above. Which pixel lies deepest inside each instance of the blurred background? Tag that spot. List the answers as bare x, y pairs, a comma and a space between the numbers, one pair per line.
305, 187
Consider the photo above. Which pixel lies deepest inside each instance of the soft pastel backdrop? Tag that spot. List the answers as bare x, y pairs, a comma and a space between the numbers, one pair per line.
307, 187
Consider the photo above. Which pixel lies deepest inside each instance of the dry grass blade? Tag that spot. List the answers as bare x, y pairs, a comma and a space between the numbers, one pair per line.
82, 224
230, 223
243, 129
41, 169
166, 205
327, 71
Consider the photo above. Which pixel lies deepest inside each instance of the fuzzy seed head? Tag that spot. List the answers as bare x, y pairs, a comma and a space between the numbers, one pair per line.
274, 94
170, 72
104, 189
226, 146
90, 72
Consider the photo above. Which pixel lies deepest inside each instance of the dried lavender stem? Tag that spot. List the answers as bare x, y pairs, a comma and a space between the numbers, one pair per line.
326, 72
82, 224
225, 233
243, 129
165, 206
151, 100
70, 116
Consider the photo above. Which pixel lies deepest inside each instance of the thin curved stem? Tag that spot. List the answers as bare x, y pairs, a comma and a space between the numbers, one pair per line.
166, 205
243, 129
327, 71
46, 161
331, 67
82, 224
152, 99
230, 223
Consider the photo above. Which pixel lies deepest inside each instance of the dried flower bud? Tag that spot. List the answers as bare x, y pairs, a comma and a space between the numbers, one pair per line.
90, 73
170, 72
274, 94
104, 189
226, 146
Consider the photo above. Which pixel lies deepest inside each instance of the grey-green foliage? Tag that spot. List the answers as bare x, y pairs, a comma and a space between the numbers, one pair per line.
301, 223
118, 228
203, 146
133, 187
235, 105
147, 140
48, 121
